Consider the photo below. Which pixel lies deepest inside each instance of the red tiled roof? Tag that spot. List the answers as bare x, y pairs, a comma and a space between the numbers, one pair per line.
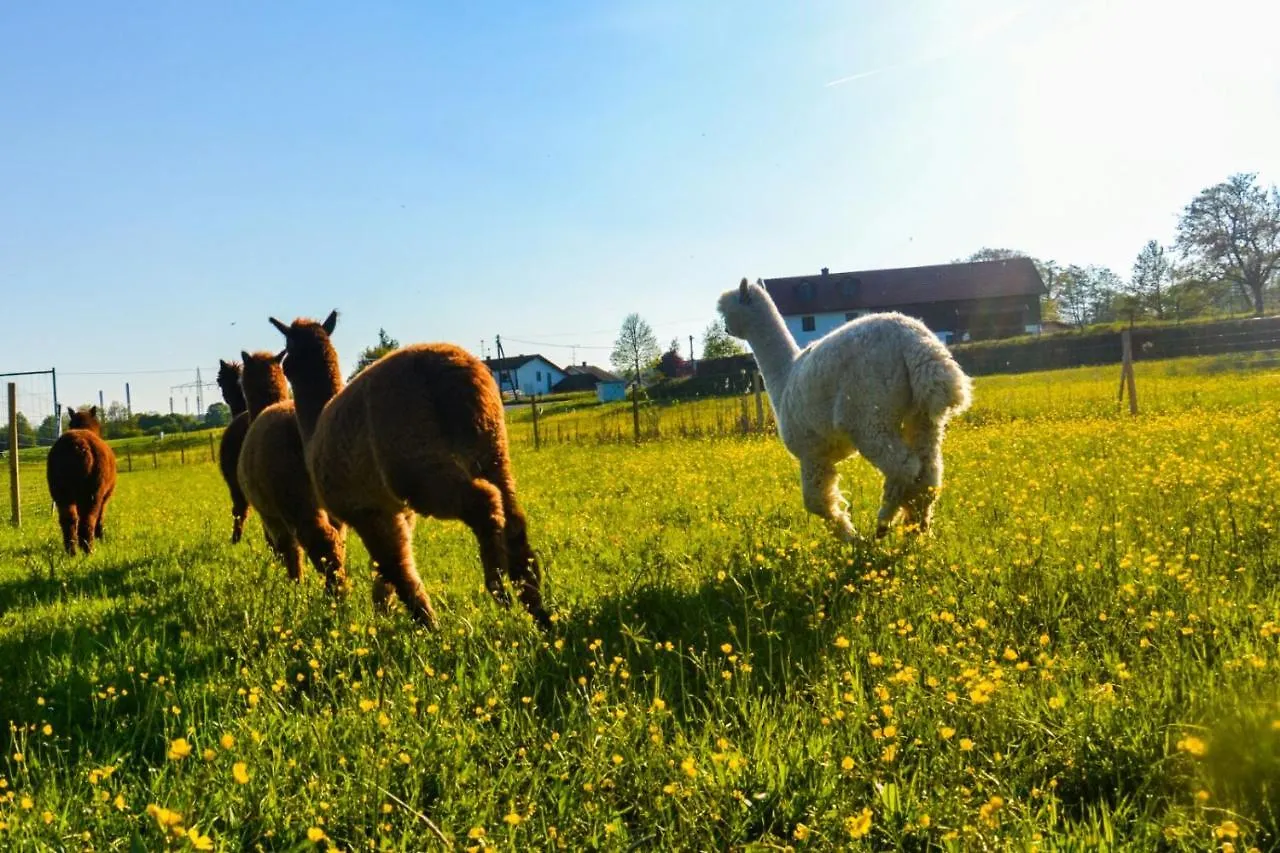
882, 289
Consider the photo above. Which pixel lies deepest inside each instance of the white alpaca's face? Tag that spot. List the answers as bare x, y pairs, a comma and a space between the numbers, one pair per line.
737, 306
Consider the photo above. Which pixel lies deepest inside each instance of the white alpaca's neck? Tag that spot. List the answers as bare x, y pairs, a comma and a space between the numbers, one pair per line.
774, 348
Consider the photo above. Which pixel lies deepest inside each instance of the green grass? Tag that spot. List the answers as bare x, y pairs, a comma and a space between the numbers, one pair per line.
1083, 654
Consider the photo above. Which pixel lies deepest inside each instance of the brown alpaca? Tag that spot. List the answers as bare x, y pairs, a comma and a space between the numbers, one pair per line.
81, 470
232, 440
273, 474
421, 430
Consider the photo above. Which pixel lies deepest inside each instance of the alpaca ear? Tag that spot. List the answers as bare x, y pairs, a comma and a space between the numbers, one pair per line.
93, 411
743, 296
284, 330
279, 357
330, 322
244, 356
222, 365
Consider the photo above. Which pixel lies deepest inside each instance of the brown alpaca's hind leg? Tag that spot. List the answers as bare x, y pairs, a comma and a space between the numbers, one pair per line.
482, 511
325, 548
68, 520
451, 493
239, 512
88, 513
387, 539
522, 567
102, 517
521, 564
285, 545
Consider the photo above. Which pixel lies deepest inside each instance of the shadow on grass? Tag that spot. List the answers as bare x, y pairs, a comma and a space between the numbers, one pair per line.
72, 669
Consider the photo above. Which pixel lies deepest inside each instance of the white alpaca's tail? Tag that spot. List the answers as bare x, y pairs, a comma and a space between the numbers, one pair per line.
938, 385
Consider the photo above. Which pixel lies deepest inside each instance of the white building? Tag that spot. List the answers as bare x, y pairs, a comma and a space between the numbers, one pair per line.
586, 377
958, 302
530, 374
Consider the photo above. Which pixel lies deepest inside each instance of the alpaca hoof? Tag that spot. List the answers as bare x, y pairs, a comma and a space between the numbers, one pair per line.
382, 592
882, 530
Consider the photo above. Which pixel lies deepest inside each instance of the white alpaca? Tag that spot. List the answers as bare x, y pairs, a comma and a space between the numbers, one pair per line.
882, 385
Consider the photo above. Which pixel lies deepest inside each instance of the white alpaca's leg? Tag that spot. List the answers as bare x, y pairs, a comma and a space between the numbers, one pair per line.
883, 446
818, 481
925, 437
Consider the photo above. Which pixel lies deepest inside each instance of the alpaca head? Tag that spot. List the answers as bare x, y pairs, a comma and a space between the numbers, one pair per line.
229, 382
262, 380
85, 419
308, 354
745, 309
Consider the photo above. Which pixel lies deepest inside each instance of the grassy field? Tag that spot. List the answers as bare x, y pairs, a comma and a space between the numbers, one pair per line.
1084, 654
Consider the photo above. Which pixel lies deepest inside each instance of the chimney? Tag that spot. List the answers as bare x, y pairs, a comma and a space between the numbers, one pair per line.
825, 270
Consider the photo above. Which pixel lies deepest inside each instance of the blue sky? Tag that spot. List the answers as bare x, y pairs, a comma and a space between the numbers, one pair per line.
173, 173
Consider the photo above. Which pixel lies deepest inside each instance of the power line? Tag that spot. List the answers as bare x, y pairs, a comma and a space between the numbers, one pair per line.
122, 372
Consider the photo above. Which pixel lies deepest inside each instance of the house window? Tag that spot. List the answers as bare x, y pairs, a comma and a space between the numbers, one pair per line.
538, 377
849, 287
807, 324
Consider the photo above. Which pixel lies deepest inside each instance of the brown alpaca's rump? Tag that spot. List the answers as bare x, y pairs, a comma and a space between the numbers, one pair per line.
81, 471
273, 473
421, 430
232, 439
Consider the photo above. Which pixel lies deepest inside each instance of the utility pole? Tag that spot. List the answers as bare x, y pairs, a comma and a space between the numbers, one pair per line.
199, 393
691, 348
128, 401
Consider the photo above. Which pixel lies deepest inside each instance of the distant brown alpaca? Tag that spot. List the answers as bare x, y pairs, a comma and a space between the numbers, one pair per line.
273, 473
81, 470
421, 430
232, 440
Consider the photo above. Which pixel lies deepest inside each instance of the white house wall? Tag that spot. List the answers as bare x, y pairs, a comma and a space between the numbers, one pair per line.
825, 324
532, 377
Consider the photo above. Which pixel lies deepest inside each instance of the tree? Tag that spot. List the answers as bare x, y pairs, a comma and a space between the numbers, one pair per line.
26, 433
717, 343
1087, 294
1231, 233
671, 364
635, 346
48, 429
1152, 275
385, 344
219, 414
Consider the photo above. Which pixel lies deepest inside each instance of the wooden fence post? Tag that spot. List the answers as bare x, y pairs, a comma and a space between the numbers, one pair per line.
128, 454
1126, 372
155, 457
213, 456
758, 382
635, 409
13, 454
533, 407
182, 454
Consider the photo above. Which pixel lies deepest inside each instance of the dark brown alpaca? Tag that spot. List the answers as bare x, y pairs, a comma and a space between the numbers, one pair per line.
421, 430
81, 470
232, 440
273, 473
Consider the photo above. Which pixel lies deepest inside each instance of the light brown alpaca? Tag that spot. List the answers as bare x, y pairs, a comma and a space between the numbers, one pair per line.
419, 431
273, 473
81, 471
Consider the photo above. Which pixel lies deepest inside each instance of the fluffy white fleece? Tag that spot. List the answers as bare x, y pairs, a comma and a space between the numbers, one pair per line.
882, 385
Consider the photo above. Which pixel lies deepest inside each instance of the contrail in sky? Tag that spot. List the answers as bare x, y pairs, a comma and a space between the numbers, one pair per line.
973, 36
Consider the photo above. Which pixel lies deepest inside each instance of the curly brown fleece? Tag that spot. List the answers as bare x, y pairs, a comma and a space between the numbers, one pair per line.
419, 431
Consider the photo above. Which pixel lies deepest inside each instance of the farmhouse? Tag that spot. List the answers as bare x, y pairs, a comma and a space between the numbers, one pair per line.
529, 374
587, 377
958, 302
